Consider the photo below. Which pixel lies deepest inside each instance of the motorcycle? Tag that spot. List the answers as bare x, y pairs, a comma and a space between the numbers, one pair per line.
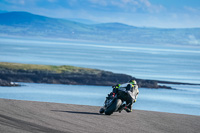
114, 103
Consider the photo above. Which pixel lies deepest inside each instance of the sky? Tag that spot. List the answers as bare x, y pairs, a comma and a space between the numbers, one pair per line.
141, 13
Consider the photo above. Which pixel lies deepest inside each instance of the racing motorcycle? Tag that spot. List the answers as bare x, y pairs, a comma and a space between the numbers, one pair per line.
114, 103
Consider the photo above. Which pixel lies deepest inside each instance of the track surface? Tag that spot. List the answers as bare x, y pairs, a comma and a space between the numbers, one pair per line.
28, 116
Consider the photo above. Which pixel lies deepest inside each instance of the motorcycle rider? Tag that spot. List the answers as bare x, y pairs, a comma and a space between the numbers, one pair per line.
131, 88
131, 92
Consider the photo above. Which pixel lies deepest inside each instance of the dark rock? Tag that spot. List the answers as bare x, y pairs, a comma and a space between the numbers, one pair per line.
102, 78
7, 83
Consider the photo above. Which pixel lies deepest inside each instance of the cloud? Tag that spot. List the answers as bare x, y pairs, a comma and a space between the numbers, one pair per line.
18, 2
129, 5
88, 5
146, 3
192, 10
99, 2
141, 6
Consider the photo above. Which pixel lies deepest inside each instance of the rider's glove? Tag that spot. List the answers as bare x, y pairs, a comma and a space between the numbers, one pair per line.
134, 101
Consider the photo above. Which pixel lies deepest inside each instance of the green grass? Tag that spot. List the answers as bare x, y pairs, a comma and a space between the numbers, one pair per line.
57, 69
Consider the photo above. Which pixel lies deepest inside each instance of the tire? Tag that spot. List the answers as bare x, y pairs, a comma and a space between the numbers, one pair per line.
113, 107
102, 110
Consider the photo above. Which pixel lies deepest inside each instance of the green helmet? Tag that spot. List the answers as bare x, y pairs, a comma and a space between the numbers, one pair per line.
132, 81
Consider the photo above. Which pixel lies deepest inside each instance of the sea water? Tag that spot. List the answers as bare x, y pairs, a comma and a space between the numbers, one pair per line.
160, 62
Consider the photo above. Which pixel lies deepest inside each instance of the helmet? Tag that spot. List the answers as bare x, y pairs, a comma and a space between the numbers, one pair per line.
132, 81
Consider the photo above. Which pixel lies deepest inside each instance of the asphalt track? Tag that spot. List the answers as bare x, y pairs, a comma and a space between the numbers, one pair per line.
35, 117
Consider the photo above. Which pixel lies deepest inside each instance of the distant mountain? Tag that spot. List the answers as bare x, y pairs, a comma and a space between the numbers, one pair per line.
84, 21
23, 23
31, 25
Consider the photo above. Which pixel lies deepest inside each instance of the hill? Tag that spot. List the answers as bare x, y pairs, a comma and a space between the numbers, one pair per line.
30, 25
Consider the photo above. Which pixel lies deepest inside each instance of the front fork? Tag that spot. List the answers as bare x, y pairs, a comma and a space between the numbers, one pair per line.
107, 103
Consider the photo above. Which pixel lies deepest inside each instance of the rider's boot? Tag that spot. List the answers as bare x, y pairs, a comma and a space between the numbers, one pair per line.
128, 108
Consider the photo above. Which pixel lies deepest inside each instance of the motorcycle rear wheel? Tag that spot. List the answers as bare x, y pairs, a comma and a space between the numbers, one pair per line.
113, 107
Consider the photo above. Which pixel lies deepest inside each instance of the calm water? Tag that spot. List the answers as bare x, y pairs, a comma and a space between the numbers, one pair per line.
182, 100
170, 63
142, 61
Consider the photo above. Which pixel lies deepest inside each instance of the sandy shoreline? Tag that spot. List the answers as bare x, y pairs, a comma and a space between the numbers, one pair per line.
27, 116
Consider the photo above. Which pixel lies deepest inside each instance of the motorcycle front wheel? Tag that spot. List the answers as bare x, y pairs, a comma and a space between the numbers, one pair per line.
113, 107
